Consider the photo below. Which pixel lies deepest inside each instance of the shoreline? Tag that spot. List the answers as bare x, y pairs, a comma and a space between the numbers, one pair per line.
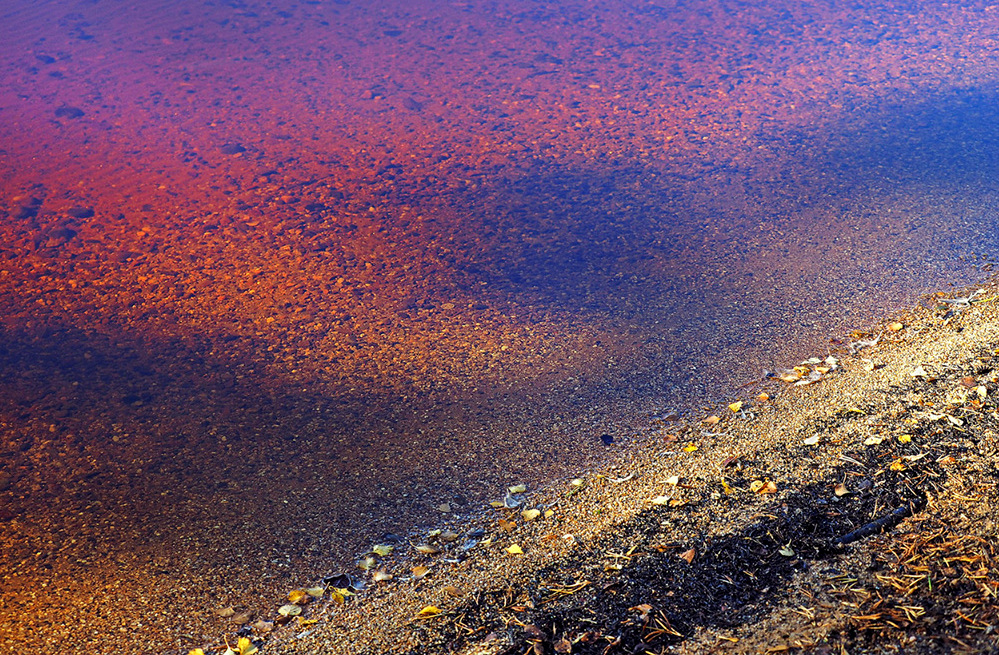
674, 481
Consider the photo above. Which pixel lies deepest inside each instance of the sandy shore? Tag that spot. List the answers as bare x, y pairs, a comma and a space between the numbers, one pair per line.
732, 535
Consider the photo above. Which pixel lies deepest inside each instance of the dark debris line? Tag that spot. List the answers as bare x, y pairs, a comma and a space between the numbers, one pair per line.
659, 599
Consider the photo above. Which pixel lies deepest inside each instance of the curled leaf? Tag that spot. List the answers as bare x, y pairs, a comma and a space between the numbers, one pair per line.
428, 612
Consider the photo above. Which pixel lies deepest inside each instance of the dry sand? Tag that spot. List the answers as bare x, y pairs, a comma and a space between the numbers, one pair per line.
908, 426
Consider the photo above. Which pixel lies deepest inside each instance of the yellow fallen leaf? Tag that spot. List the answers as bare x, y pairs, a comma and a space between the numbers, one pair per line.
711, 420
506, 526
427, 549
196, 651
769, 488
895, 327
689, 448
873, 441
289, 610
755, 485
381, 576
841, 489
811, 441
383, 550
897, 465
497, 504
763, 397
299, 596
549, 513
726, 488
419, 572
736, 406
676, 502
367, 563
245, 647
905, 438
673, 480
518, 489
660, 500
428, 612
530, 514
515, 550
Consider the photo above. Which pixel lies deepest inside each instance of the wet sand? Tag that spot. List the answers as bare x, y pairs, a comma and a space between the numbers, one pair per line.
279, 280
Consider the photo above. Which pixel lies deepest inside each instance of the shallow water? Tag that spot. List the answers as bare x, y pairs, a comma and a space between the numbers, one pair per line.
280, 277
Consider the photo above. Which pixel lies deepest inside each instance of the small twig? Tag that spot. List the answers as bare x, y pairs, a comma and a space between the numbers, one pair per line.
963, 302
854, 346
886, 522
